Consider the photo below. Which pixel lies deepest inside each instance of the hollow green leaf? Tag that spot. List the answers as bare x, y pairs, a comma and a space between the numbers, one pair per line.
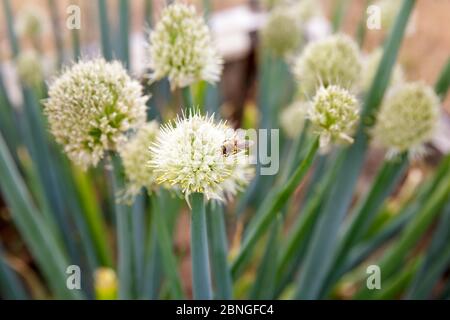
201, 272
218, 248
44, 246
323, 244
257, 228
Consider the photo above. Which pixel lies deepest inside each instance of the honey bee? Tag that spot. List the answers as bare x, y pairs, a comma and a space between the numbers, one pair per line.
234, 145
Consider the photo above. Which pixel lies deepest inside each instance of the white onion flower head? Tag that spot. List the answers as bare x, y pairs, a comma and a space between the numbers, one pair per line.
31, 22
371, 64
302, 9
135, 158
197, 155
334, 112
334, 60
30, 68
283, 32
292, 118
181, 48
407, 119
90, 108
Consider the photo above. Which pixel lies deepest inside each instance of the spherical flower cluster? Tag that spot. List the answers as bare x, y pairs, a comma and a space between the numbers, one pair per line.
407, 118
371, 64
181, 48
90, 108
31, 22
292, 118
388, 10
29, 68
334, 112
334, 60
282, 34
135, 158
195, 154
306, 9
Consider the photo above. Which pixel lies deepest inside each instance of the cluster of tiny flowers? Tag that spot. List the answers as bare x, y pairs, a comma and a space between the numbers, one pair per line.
181, 48
388, 10
334, 112
135, 159
282, 34
334, 60
371, 64
31, 22
407, 119
29, 68
292, 118
195, 154
90, 108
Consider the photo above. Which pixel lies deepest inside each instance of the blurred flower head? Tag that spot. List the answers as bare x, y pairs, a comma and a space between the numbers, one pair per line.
181, 48
389, 10
370, 67
407, 119
29, 68
282, 34
334, 112
292, 118
135, 158
334, 60
31, 22
90, 108
196, 154
302, 9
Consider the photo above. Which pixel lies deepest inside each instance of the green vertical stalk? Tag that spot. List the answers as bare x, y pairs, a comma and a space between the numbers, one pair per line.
104, 29
206, 8
76, 44
257, 228
264, 284
93, 215
123, 229
10, 24
39, 238
148, 13
437, 259
443, 82
387, 178
187, 98
164, 241
7, 118
361, 31
137, 226
54, 10
153, 266
338, 14
396, 255
323, 243
201, 276
218, 248
124, 21
10, 285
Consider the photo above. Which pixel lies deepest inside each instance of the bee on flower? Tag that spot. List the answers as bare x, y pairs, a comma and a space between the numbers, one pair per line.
198, 155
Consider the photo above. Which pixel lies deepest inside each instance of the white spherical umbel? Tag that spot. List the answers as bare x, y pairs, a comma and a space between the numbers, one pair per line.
181, 48
91, 107
407, 119
197, 155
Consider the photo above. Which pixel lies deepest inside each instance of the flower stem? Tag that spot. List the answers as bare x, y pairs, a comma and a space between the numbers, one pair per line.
258, 227
201, 276
123, 233
187, 98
